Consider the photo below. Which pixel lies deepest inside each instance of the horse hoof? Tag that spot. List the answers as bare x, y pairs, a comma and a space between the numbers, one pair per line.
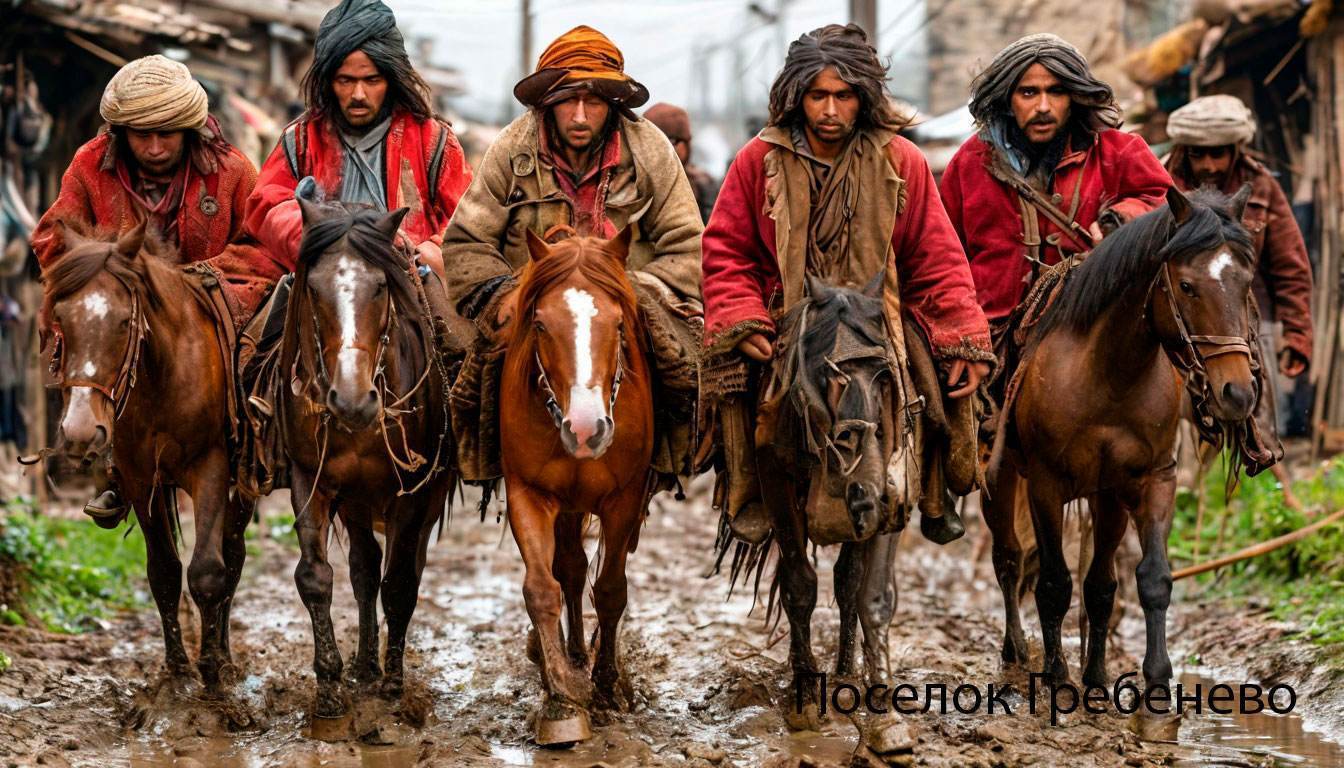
1154, 727
333, 728
392, 688
807, 719
565, 731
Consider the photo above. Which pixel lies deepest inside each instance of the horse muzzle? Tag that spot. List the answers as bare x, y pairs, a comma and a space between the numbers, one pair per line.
83, 434
587, 439
862, 500
355, 410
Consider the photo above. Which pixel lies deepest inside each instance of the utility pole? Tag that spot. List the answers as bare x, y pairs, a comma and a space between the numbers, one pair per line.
864, 13
525, 47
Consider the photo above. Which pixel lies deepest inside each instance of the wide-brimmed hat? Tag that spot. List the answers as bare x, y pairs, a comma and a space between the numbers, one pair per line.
582, 58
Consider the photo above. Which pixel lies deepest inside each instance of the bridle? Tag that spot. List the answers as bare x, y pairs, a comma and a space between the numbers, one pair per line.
120, 389
552, 404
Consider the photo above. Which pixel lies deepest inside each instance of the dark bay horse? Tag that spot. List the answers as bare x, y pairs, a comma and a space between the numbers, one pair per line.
576, 440
827, 421
1099, 396
141, 367
362, 411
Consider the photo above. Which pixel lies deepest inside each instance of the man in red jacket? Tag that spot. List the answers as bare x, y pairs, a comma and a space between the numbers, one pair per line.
369, 135
161, 160
1047, 172
830, 189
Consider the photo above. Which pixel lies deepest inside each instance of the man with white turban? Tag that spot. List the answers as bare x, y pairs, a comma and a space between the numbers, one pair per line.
160, 159
1211, 136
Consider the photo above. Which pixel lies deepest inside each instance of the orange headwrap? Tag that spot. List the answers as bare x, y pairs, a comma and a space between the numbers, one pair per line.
582, 56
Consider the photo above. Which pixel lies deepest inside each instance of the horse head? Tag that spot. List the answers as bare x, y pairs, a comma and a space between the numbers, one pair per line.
1207, 279
842, 386
575, 308
95, 295
349, 272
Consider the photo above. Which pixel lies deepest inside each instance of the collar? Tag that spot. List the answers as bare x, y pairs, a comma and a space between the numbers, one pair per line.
370, 140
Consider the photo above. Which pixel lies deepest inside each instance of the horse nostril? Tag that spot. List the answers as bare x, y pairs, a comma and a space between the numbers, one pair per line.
1237, 395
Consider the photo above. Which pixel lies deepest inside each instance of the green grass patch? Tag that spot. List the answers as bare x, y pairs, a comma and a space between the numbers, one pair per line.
65, 575
277, 526
1302, 582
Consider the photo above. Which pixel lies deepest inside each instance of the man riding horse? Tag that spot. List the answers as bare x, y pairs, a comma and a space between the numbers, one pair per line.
369, 136
1045, 176
830, 190
160, 160
578, 158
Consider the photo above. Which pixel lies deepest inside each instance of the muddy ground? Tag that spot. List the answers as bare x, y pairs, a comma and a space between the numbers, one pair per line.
708, 680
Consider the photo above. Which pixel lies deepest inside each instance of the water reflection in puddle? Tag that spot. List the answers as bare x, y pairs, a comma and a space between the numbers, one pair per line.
1228, 739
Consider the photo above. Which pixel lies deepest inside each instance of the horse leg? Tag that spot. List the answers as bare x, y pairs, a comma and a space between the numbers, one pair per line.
848, 578
999, 509
366, 570
1055, 587
532, 516
208, 576
409, 525
312, 576
1109, 521
235, 552
1152, 518
620, 520
877, 603
163, 567
570, 568
798, 591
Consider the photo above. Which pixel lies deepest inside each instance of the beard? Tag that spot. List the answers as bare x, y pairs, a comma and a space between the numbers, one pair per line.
368, 121
1042, 156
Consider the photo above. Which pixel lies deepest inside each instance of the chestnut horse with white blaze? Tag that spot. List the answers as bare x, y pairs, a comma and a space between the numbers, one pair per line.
576, 440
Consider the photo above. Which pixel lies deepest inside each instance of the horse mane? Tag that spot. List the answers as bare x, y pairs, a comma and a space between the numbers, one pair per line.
92, 253
860, 314
357, 223
1130, 256
602, 268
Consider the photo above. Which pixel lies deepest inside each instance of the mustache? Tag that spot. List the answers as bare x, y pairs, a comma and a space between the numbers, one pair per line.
1043, 120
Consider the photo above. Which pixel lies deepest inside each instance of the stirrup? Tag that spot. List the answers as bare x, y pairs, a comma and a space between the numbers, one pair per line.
260, 406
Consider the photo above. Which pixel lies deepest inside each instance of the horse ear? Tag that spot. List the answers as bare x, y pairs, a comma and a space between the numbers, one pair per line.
311, 211
1179, 205
130, 242
817, 289
536, 247
1238, 204
620, 244
873, 289
389, 224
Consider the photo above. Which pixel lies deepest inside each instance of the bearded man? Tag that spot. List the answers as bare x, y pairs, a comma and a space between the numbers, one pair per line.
829, 189
368, 136
1212, 135
578, 158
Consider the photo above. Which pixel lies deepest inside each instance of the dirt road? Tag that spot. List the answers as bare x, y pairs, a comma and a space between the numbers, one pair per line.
704, 672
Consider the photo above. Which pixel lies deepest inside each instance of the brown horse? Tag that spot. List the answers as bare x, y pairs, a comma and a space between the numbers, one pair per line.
140, 366
362, 416
1095, 415
576, 441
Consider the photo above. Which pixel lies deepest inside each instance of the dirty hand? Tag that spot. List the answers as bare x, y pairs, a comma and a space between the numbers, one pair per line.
1292, 364
973, 371
757, 347
1094, 229
508, 306
431, 255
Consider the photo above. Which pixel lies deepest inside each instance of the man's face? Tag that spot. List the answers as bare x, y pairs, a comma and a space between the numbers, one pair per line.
360, 89
683, 149
579, 119
156, 152
1040, 104
1210, 165
831, 107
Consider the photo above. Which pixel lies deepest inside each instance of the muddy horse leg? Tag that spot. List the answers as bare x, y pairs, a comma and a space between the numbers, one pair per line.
235, 552
562, 719
1109, 520
366, 570
797, 589
1152, 519
999, 509
1054, 589
163, 566
848, 579
570, 568
410, 521
208, 575
877, 604
620, 520
312, 576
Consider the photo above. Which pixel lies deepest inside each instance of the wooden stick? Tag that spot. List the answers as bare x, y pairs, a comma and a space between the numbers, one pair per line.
1263, 547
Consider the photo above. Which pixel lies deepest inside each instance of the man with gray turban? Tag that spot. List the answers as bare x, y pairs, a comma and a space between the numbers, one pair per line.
1211, 136
160, 159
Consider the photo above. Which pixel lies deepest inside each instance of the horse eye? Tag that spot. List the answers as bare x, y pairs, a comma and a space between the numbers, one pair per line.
540, 326
844, 435
1187, 289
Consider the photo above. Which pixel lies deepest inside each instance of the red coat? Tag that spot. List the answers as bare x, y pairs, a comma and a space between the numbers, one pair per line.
1119, 173
209, 219
273, 216
741, 274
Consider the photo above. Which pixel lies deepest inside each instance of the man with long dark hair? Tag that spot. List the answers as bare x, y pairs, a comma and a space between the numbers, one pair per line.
829, 189
578, 160
368, 135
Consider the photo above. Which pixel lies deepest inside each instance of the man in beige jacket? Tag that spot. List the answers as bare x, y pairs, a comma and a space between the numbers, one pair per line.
578, 157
